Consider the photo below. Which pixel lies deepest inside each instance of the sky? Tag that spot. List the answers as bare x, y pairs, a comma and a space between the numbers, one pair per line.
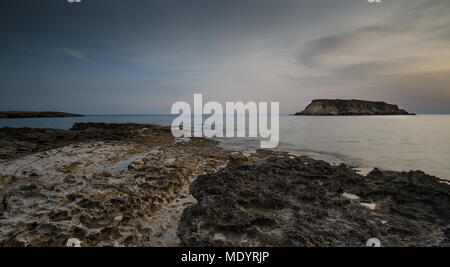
140, 57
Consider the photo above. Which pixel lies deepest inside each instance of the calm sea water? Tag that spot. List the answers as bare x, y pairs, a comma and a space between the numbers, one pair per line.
390, 142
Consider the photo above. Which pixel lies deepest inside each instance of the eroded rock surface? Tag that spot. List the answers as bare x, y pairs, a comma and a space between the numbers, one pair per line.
126, 190
285, 200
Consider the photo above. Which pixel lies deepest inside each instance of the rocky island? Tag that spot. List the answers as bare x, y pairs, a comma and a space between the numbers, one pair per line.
35, 114
137, 185
353, 107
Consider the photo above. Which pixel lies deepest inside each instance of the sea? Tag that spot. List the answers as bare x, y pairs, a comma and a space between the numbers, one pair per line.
399, 143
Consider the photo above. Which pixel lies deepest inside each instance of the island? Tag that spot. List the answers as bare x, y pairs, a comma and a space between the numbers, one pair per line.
35, 114
353, 107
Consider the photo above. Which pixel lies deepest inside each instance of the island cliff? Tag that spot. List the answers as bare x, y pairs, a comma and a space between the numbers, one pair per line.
333, 107
35, 114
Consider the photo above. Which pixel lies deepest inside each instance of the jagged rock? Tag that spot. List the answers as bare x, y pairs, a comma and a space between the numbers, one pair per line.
295, 201
331, 107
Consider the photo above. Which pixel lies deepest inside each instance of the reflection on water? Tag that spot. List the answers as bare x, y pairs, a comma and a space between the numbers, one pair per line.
389, 142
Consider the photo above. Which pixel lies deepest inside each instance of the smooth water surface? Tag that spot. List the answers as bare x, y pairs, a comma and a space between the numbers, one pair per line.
390, 142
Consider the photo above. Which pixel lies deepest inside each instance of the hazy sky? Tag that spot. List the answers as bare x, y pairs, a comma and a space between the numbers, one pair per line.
131, 56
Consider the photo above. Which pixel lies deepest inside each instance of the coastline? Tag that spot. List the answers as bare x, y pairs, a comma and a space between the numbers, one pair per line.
135, 185
36, 114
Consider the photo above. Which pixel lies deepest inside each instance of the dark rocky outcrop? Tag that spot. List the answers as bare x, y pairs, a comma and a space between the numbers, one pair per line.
333, 107
35, 114
17, 142
296, 201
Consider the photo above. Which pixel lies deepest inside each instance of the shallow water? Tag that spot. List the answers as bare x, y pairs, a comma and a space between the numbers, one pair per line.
390, 142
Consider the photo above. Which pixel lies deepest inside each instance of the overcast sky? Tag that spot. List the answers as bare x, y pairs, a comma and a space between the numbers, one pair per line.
133, 57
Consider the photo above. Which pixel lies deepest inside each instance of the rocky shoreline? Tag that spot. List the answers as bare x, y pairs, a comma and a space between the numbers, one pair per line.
285, 200
18, 142
126, 187
136, 185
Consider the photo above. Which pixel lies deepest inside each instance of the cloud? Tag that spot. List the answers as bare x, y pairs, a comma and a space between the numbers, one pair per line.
73, 54
414, 40
402, 59
261, 50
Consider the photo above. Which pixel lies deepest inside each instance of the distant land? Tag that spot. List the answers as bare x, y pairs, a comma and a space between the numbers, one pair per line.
35, 114
353, 107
